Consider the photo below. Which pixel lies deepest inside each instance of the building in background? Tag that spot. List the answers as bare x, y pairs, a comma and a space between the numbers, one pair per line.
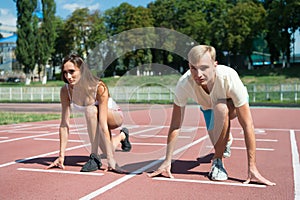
7, 48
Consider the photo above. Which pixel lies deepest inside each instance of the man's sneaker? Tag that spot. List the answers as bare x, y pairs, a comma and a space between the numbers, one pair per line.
92, 164
126, 146
227, 152
218, 172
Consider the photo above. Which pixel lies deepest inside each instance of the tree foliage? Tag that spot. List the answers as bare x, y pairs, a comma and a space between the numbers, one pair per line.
82, 31
283, 20
232, 26
25, 50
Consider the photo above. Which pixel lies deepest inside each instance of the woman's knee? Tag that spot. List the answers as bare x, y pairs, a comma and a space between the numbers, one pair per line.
115, 119
91, 112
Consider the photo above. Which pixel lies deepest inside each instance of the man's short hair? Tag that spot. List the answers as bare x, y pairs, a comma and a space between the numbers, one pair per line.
197, 52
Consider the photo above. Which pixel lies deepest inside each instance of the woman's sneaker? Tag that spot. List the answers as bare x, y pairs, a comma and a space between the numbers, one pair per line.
126, 146
218, 172
92, 164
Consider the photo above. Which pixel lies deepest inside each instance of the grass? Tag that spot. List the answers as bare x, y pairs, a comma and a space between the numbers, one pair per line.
257, 76
15, 118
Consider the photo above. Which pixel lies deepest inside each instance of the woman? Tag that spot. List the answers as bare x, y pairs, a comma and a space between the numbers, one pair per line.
87, 93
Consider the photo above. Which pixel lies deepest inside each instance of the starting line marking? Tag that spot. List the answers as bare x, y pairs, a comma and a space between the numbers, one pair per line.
60, 171
209, 182
257, 140
244, 148
56, 140
133, 174
149, 144
162, 136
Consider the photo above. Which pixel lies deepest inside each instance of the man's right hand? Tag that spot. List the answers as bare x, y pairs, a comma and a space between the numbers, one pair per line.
59, 162
165, 168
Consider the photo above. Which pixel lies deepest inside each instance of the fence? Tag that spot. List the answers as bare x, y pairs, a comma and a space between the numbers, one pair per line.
257, 93
274, 93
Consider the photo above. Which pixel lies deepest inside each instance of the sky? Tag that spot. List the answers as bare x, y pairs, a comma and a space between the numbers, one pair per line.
64, 8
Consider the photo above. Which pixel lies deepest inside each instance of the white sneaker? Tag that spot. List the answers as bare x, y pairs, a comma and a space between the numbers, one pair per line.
227, 152
218, 172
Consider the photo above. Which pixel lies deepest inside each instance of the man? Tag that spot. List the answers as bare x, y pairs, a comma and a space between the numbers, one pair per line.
222, 96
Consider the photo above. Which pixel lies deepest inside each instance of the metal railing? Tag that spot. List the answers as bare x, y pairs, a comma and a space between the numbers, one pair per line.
257, 93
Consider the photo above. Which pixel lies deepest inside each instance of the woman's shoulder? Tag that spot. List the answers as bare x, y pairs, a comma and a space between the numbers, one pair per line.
102, 88
64, 88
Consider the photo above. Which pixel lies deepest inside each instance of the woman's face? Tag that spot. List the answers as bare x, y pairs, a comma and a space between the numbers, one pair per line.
71, 73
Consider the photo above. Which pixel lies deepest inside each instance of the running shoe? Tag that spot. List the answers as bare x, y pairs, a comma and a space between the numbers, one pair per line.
227, 152
92, 164
126, 146
218, 172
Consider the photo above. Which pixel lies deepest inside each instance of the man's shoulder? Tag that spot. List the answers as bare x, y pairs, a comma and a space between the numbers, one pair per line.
185, 77
225, 70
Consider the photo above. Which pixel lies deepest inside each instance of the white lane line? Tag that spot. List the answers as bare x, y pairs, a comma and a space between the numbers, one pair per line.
209, 182
146, 130
28, 137
57, 140
162, 136
24, 132
257, 149
41, 155
149, 144
244, 148
30, 127
3, 138
296, 164
257, 140
138, 171
185, 129
60, 171
32, 136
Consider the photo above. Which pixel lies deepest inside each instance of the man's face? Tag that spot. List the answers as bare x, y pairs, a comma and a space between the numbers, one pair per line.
204, 71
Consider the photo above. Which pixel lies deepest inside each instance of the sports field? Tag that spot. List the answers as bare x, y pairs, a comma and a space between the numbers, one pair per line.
27, 148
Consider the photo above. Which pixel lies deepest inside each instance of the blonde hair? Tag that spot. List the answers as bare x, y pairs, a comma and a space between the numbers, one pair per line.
197, 52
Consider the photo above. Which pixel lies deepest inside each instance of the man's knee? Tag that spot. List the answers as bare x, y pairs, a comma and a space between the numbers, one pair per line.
221, 108
225, 107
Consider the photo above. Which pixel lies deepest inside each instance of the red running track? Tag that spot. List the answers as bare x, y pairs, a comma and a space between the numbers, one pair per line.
27, 148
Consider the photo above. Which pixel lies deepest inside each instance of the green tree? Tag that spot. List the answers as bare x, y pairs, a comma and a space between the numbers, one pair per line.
62, 42
283, 19
26, 39
124, 18
45, 36
201, 20
82, 31
164, 13
48, 34
245, 22
97, 30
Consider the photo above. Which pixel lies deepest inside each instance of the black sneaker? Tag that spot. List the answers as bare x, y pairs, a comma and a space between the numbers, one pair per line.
92, 164
126, 146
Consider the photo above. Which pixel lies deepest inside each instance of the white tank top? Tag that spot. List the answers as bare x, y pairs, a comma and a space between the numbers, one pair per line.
111, 103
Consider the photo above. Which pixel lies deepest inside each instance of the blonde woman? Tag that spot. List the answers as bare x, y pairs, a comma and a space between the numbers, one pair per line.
87, 93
